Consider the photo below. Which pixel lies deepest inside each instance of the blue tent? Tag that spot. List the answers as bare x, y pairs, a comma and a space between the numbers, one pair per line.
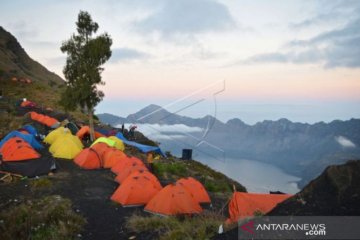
30, 129
141, 147
27, 137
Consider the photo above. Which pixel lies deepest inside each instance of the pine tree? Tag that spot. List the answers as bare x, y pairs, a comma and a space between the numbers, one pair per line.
86, 54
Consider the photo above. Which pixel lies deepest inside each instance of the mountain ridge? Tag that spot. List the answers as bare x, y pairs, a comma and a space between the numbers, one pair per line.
15, 62
134, 118
301, 149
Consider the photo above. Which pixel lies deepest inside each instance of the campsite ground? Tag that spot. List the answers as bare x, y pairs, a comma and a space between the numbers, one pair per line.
83, 209
89, 192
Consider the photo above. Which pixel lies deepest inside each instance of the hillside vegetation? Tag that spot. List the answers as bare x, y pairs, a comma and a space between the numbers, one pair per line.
22, 77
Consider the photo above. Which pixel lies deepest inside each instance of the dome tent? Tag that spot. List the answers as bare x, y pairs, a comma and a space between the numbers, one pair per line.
118, 143
88, 159
137, 189
244, 205
129, 169
66, 146
27, 137
173, 199
196, 188
53, 135
121, 165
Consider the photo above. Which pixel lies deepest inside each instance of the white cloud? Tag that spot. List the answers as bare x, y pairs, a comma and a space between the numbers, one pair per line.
344, 142
188, 16
165, 132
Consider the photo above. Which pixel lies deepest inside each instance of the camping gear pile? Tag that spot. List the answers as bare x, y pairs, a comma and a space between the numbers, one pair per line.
27, 104
19, 153
142, 147
85, 131
45, 120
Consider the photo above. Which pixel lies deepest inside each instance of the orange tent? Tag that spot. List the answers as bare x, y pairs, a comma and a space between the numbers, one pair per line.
86, 130
121, 165
244, 205
88, 159
27, 104
146, 173
101, 149
48, 121
137, 189
196, 188
129, 170
112, 156
16, 149
43, 119
172, 200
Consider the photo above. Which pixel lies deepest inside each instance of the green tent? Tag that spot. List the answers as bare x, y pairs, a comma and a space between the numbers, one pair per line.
109, 142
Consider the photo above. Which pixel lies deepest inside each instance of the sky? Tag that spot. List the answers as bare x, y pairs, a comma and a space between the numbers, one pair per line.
273, 59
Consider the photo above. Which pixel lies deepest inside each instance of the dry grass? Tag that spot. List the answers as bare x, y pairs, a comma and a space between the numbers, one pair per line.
203, 226
40, 183
50, 218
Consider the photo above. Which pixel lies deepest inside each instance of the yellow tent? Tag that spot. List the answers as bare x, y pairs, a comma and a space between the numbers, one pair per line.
109, 142
118, 143
67, 152
66, 146
53, 135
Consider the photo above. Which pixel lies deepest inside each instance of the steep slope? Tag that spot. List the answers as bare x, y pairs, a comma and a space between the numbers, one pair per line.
15, 62
16, 69
334, 192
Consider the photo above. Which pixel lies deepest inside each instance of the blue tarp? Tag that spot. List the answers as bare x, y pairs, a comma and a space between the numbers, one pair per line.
30, 129
102, 131
27, 137
141, 147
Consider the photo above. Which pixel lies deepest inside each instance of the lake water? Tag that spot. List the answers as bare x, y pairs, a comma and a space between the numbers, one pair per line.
254, 175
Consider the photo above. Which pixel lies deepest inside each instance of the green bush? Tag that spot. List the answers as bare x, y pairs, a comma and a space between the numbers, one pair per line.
217, 186
50, 217
203, 226
176, 169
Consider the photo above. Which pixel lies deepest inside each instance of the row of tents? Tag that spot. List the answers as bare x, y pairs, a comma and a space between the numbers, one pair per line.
20, 152
138, 186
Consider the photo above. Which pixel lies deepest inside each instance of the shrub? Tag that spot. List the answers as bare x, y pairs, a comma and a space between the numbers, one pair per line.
176, 169
203, 226
40, 183
50, 217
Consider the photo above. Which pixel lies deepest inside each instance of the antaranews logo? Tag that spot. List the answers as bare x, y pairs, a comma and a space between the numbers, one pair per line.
308, 228
298, 227
248, 227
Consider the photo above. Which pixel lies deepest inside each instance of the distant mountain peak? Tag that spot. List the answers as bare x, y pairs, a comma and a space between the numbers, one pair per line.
236, 121
151, 107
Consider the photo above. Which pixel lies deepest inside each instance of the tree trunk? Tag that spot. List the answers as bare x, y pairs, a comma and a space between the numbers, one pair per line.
91, 124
